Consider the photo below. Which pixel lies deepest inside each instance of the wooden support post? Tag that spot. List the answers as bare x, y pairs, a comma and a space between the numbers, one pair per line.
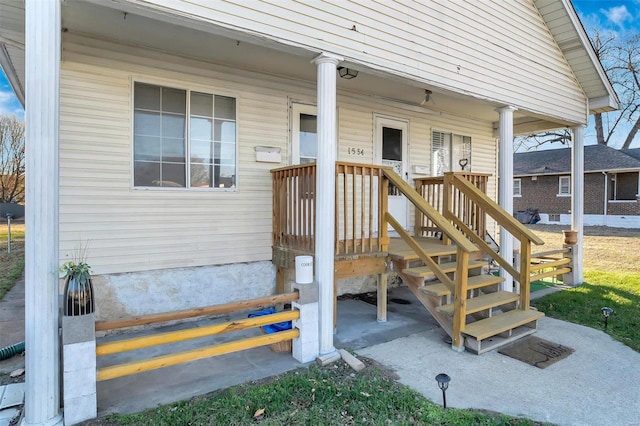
525, 273
280, 273
460, 300
382, 297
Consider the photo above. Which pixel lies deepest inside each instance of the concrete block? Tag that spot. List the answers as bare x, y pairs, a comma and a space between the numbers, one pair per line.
78, 329
79, 409
308, 313
79, 383
305, 351
12, 395
79, 356
309, 293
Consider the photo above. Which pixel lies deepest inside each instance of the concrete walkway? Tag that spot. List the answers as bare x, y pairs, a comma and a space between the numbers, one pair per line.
599, 384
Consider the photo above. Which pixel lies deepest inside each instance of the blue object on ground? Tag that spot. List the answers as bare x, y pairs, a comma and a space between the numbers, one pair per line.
271, 328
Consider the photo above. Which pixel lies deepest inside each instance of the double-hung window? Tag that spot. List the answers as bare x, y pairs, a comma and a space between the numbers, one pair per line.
564, 186
517, 187
449, 152
183, 138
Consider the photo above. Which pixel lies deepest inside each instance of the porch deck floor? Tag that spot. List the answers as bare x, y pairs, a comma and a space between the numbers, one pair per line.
399, 248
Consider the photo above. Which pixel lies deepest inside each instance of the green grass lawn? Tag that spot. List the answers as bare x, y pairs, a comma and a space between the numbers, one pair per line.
583, 304
331, 395
12, 263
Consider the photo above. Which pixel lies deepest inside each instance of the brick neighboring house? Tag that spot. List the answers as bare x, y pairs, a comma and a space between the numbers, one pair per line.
542, 180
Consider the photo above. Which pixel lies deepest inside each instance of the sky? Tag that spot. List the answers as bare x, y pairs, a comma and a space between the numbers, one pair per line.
610, 15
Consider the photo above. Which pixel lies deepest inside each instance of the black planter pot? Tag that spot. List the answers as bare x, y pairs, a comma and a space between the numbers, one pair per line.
78, 298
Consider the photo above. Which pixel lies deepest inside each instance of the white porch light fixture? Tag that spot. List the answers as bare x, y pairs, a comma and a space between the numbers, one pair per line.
347, 73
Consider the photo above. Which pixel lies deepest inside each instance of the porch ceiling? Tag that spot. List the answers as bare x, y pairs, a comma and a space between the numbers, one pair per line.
132, 24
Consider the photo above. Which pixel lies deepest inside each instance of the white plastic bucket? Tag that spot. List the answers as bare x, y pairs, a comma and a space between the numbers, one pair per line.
304, 269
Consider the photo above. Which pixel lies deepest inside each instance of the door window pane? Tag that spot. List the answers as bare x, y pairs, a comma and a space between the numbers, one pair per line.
308, 138
391, 144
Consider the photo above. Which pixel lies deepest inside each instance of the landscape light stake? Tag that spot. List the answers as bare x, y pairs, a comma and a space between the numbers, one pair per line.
607, 312
443, 383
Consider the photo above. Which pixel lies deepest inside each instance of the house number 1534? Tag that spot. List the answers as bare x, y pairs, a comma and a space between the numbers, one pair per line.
355, 151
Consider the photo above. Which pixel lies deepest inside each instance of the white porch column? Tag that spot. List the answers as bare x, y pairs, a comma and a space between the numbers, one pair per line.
505, 186
325, 195
577, 199
42, 57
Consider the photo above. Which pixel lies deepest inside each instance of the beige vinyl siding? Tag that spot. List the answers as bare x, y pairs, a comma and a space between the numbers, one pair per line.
489, 49
140, 229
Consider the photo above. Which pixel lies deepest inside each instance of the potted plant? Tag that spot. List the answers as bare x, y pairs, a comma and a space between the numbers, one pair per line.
78, 289
570, 236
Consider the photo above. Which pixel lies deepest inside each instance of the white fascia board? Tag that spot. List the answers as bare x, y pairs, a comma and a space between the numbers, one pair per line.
602, 104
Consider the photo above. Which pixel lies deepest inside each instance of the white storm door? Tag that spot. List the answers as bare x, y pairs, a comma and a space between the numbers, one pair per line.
304, 134
391, 150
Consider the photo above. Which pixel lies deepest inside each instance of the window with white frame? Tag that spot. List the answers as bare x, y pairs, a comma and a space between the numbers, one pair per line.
517, 187
183, 138
564, 185
449, 152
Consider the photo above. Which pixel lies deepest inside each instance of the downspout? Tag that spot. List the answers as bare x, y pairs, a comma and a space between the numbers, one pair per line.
606, 197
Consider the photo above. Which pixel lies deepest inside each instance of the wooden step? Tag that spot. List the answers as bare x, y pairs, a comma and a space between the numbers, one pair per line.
484, 302
478, 281
497, 324
425, 271
400, 250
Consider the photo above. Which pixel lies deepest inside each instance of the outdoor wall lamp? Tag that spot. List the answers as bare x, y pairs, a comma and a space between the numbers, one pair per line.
443, 383
347, 73
607, 312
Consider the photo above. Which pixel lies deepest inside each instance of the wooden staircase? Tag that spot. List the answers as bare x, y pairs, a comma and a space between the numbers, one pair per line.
445, 273
493, 318
447, 276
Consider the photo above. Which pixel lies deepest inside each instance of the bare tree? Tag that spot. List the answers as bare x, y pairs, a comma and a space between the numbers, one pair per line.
620, 58
12, 159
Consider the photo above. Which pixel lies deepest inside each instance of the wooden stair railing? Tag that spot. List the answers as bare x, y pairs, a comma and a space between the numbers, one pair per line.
457, 286
502, 218
431, 188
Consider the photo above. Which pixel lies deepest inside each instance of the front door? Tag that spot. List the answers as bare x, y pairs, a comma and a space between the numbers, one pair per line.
391, 150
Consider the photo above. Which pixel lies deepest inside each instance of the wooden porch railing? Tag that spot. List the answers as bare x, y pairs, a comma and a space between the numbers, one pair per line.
359, 207
470, 213
294, 207
454, 183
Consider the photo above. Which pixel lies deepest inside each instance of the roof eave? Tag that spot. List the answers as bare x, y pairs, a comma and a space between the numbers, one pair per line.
12, 75
603, 104
586, 43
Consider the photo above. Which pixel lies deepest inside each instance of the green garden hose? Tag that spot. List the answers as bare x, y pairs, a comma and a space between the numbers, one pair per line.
10, 351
